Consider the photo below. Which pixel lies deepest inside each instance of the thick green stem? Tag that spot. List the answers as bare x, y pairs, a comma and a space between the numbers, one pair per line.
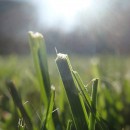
38, 49
36, 41
71, 88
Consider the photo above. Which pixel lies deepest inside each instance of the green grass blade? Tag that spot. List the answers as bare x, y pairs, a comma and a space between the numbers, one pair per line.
37, 45
94, 102
18, 102
65, 70
88, 102
103, 125
83, 90
69, 125
38, 49
84, 108
48, 117
44, 67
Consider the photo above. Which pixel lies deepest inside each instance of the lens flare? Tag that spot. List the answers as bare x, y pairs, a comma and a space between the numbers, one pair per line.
66, 13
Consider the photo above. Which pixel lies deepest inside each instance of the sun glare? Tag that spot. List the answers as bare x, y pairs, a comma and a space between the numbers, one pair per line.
66, 12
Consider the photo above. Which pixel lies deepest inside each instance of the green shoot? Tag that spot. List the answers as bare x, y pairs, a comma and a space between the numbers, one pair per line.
49, 110
94, 102
65, 70
18, 102
38, 50
69, 125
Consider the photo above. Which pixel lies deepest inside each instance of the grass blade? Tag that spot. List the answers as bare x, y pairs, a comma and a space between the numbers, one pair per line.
18, 102
86, 97
69, 125
84, 92
49, 110
38, 50
65, 70
94, 102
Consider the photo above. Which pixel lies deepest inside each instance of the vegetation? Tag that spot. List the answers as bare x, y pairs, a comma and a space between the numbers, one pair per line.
100, 104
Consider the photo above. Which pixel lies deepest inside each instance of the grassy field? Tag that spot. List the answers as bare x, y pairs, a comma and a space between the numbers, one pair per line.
113, 92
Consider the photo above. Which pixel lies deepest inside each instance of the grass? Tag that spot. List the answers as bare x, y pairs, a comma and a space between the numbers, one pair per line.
80, 117
71, 105
94, 104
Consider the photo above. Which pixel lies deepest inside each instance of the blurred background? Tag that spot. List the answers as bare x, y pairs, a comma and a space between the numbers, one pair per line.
82, 26
95, 34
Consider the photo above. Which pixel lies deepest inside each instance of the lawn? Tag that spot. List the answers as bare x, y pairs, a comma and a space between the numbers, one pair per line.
53, 96
113, 92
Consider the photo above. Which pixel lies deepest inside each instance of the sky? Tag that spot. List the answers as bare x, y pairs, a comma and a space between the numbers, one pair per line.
67, 13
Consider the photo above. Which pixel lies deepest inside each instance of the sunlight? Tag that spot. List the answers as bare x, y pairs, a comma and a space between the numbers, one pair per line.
66, 12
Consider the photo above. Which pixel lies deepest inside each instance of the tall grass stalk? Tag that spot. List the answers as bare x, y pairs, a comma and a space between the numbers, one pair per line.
18, 102
84, 91
94, 102
65, 70
49, 110
38, 49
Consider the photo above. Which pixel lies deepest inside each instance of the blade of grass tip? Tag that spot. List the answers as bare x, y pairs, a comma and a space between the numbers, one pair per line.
38, 49
65, 70
49, 111
18, 102
94, 102
42, 55
44, 66
35, 40
69, 125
